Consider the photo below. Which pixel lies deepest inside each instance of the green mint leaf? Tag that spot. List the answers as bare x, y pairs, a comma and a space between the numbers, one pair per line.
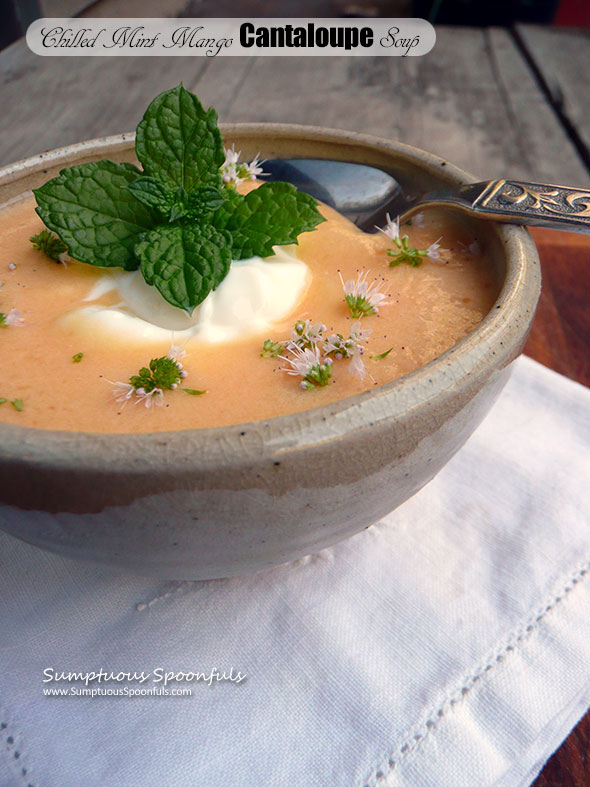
49, 244
18, 405
153, 194
193, 391
201, 202
175, 204
272, 215
178, 142
92, 210
77, 357
198, 204
185, 262
381, 356
177, 211
3, 400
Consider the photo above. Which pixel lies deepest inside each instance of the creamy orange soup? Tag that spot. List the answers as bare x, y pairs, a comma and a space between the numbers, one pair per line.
428, 309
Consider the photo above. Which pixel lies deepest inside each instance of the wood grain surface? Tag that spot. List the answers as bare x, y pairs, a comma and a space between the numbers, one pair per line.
560, 339
560, 336
562, 60
493, 102
473, 100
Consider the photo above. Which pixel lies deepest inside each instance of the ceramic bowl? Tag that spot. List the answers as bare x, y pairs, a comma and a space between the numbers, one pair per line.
217, 502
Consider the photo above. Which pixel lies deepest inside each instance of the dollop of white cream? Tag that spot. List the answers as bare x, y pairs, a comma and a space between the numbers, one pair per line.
254, 295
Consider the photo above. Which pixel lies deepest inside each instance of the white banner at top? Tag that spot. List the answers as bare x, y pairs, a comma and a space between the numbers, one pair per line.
233, 37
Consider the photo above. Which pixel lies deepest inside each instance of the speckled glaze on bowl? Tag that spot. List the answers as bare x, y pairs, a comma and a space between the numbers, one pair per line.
216, 502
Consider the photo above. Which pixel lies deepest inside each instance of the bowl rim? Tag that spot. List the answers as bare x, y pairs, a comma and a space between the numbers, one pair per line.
110, 451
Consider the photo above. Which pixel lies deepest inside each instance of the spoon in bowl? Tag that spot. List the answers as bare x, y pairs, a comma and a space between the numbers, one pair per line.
367, 194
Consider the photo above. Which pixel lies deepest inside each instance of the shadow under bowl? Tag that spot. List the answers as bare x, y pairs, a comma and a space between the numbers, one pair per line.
206, 503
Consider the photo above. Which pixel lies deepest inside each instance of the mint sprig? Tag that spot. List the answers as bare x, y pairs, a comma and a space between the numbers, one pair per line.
174, 219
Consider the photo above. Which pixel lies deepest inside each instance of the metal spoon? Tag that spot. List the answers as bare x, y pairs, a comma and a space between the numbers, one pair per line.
366, 195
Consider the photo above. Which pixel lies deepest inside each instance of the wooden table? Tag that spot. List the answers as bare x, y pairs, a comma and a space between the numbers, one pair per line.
492, 101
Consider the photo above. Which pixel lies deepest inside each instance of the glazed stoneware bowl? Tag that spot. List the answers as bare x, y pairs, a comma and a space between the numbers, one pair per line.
216, 502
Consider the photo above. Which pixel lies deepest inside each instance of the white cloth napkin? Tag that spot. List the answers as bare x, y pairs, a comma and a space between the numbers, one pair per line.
447, 645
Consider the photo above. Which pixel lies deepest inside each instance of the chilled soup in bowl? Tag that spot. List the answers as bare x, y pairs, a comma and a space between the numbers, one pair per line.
80, 329
229, 395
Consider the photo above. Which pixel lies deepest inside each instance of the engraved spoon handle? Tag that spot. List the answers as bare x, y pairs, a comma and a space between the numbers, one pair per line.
519, 202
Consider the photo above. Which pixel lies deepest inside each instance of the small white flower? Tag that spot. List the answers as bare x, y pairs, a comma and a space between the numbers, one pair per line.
475, 248
363, 298
350, 349
254, 168
11, 266
357, 366
230, 174
233, 172
336, 345
418, 220
434, 251
228, 168
231, 157
306, 362
176, 353
302, 360
391, 228
123, 391
306, 334
14, 317
358, 334
156, 396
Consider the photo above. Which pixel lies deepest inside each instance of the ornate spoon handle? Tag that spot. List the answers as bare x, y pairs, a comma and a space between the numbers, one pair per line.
519, 202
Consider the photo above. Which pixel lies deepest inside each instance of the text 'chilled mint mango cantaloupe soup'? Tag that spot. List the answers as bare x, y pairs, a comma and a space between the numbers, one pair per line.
314, 322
